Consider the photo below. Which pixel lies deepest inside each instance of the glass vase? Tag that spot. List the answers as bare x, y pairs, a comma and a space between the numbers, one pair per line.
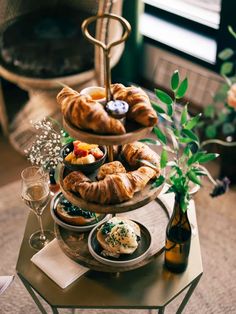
178, 239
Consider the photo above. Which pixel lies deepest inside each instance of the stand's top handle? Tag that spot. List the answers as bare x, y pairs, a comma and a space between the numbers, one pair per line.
106, 48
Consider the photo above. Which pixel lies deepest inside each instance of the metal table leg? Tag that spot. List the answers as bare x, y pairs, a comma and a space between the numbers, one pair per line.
188, 294
54, 310
34, 297
161, 310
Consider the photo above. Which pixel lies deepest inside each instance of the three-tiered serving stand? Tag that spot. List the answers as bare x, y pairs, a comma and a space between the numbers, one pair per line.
144, 205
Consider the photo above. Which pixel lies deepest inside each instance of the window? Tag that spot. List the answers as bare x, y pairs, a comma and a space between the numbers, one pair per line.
195, 29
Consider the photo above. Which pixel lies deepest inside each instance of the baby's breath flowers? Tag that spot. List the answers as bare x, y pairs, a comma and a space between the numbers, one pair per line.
45, 150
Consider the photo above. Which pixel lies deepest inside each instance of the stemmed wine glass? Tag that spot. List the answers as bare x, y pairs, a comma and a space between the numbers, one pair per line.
35, 193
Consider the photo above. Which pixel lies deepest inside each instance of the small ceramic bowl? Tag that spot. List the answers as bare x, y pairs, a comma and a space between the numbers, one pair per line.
80, 228
85, 168
96, 92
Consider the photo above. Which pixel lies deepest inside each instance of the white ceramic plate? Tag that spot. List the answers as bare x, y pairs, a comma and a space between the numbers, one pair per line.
102, 218
125, 259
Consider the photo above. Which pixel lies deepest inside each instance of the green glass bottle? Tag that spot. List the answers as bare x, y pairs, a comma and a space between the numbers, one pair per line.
178, 239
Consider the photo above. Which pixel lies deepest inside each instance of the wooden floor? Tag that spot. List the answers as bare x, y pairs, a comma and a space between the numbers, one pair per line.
11, 162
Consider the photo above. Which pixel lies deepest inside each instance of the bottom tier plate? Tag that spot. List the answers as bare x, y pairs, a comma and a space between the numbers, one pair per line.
153, 216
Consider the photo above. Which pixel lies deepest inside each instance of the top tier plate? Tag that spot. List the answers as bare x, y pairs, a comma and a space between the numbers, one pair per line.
134, 133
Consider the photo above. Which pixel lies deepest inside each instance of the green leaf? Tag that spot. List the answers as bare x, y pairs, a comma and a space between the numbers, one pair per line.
166, 99
165, 117
157, 108
211, 131
193, 146
175, 80
232, 32
226, 54
160, 135
193, 122
66, 140
184, 115
171, 190
164, 158
193, 177
185, 140
158, 182
221, 94
182, 89
226, 68
228, 128
209, 111
195, 157
173, 138
207, 157
187, 151
150, 141
190, 134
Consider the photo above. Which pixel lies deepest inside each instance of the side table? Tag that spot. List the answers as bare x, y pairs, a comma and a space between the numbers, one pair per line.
149, 287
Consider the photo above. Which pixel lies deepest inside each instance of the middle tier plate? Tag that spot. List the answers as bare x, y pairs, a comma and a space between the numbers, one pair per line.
134, 133
139, 199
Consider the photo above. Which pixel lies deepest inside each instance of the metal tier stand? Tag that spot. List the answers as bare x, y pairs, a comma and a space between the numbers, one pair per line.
106, 50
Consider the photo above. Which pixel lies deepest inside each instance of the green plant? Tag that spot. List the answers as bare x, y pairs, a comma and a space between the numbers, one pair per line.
222, 112
183, 153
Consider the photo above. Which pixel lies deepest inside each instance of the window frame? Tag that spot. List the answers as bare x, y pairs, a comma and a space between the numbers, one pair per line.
221, 35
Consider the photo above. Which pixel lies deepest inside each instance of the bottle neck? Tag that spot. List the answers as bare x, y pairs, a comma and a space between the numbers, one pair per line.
178, 216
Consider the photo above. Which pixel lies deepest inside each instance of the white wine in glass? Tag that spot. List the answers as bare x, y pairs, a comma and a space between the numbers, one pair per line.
35, 193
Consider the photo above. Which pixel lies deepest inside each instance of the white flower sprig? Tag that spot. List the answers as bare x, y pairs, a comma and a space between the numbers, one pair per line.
45, 150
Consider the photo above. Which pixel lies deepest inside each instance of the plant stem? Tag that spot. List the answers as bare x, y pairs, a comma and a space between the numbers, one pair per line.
208, 174
220, 142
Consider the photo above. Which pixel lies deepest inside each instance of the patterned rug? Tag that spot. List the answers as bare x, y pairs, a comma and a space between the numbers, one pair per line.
216, 292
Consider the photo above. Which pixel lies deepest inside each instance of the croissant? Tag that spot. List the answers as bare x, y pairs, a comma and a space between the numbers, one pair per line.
140, 108
113, 189
110, 168
134, 152
85, 113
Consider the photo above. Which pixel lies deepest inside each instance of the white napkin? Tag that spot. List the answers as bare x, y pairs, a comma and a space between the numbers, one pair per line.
60, 268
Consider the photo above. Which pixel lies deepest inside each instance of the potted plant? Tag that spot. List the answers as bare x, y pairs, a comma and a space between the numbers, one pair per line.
220, 116
184, 156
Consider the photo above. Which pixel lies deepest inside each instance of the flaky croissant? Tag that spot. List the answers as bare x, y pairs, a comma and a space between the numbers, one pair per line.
134, 152
85, 113
110, 168
113, 189
140, 108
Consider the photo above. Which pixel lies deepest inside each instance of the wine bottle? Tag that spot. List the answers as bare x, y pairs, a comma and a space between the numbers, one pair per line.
178, 239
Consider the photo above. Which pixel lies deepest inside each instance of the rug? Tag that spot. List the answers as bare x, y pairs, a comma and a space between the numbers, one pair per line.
216, 292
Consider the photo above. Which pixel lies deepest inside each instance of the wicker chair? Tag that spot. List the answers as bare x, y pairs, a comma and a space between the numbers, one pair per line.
43, 90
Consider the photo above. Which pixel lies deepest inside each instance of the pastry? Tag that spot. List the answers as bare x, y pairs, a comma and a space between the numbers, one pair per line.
85, 113
110, 168
134, 152
119, 236
140, 108
113, 189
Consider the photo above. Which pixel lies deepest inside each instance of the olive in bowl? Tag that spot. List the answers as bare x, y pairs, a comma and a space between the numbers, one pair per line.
80, 156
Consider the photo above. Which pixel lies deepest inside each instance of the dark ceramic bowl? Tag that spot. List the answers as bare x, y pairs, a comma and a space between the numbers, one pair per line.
86, 168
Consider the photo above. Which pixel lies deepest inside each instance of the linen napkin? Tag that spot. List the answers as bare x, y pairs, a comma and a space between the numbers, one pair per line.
57, 266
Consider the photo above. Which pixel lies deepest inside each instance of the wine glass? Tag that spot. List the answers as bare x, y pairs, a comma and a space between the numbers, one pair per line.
35, 193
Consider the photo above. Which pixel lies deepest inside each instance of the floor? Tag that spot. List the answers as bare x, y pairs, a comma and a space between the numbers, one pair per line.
11, 162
